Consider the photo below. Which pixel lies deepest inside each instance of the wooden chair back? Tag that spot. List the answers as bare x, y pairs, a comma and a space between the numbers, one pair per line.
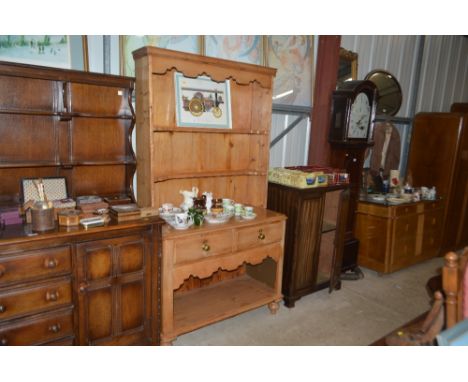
455, 286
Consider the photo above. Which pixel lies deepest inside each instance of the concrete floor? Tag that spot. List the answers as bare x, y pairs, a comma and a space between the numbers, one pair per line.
358, 314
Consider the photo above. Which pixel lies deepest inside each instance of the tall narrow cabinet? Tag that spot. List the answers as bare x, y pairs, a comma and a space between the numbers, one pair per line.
209, 272
439, 157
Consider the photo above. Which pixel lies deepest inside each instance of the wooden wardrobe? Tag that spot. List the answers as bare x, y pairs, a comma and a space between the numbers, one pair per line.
439, 157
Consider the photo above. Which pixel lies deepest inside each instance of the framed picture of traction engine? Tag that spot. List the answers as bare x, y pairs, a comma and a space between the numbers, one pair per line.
202, 102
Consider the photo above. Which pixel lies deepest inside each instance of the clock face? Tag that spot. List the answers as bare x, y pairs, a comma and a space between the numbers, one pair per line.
360, 117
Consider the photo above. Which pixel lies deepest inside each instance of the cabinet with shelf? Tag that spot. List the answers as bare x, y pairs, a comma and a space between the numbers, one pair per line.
209, 272
314, 240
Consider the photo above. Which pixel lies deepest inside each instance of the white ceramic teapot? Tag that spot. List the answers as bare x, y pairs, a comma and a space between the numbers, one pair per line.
188, 198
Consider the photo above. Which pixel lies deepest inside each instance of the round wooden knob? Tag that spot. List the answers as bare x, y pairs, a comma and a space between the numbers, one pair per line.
55, 328
205, 247
3, 341
82, 287
2, 308
2, 270
261, 235
50, 263
52, 295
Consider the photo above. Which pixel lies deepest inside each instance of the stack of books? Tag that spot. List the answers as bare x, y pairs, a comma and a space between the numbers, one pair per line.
125, 212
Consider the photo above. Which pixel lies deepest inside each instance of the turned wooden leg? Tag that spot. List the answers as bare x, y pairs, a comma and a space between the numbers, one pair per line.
273, 306
166, 342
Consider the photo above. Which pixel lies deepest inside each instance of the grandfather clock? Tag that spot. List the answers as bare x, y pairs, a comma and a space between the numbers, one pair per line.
351, 130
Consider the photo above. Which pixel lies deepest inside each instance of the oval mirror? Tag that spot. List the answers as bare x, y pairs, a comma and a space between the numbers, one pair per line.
389, 97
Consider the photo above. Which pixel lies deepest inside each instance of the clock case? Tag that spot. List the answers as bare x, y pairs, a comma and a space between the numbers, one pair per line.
342, 101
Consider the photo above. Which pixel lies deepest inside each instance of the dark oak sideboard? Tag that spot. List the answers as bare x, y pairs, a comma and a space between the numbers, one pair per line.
99, 286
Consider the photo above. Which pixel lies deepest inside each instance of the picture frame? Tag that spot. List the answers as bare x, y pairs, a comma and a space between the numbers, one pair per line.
59, 51
202, 102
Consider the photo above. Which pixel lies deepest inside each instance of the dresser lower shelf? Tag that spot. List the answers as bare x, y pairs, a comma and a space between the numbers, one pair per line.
200, 307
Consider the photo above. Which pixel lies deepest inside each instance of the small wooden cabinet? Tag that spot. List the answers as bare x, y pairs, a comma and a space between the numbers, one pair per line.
114, 285
314, 237
87, 287
393, 237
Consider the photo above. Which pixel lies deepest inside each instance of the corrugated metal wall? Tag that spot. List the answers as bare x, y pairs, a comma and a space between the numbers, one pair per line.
444, 71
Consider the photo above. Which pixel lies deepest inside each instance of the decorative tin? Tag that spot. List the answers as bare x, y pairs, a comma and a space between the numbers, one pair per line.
69, 218
42, 216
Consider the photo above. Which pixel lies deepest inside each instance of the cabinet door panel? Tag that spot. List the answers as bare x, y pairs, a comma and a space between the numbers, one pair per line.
132, 306
98, 262
131, 257
99, 313
308, 244
114, 290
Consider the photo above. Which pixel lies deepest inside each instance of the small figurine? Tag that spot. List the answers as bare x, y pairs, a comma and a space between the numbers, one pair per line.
208, 201
188, 198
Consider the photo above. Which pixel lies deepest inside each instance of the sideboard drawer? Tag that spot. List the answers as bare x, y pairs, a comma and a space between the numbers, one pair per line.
23, 301
199, 247
407, 209
258, 235
30, 265
38, 330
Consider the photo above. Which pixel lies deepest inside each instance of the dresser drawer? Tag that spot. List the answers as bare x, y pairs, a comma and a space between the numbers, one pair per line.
407, 209
16, 302
38, 330
31, 265
249, 237
201, 246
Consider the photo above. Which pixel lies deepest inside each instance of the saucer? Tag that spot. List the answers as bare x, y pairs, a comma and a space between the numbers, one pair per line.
180, 227
249, 217
169, 214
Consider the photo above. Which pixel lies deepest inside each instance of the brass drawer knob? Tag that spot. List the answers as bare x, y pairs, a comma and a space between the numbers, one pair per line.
261, 235
50, 263
52, 295
2, 308
55, 328
82, 288
3, 341
2, 270
205, 247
